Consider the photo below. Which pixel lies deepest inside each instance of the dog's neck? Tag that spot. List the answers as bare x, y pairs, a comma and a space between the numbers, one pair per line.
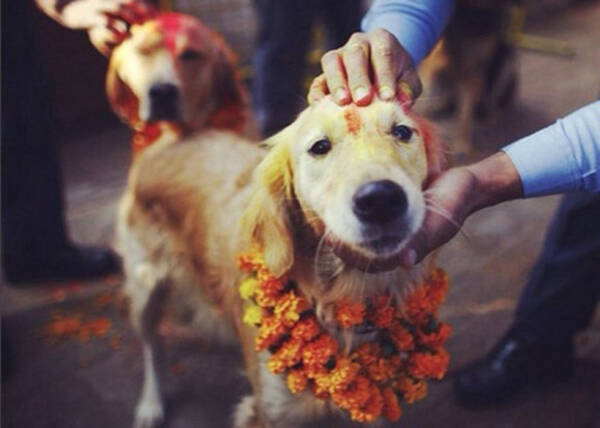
152, 133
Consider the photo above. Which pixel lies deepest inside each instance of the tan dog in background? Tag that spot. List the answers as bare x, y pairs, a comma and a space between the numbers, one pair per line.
192, 207
174, 71
168, 76
472, 72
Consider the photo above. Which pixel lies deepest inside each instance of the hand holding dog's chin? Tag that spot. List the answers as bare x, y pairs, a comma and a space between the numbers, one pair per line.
347, 71
455, 195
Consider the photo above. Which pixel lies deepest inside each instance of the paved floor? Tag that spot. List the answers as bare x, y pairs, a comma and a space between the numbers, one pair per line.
73, 362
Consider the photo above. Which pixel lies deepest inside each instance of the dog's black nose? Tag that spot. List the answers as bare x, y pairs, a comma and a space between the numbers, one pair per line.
379, 202
163, 93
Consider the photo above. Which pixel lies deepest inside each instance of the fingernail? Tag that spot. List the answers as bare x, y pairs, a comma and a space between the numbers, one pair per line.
386, 93
360, 92
340, 95
405, 89
409, 258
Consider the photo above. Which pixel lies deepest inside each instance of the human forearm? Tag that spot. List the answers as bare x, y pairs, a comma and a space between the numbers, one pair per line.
416, 24
495, 180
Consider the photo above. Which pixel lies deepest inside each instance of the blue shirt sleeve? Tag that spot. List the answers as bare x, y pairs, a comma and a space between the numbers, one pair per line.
417, 24
563, 157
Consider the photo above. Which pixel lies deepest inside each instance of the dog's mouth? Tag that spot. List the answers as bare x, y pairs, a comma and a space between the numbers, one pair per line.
372, 256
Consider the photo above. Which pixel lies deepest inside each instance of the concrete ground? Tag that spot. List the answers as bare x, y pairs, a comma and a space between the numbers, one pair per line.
70, 360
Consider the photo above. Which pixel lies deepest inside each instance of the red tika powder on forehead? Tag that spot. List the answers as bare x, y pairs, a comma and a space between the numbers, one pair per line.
171, 24
352, 120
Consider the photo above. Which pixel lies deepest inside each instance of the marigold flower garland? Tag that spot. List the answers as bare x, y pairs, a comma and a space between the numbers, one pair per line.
373, 379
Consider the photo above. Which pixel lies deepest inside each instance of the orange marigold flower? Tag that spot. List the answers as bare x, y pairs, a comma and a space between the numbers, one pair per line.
412, 389
306, 329
355, 396
296, 381
371, 410
436, 338
289, 307
344, 372
368, 353
316, 353
383, 369
401, 337
391, 406
418, 307
289, 354
349, 313
271, 330
383, 311
425, 364
437, 287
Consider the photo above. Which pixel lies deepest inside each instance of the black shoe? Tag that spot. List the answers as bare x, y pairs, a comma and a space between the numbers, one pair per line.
516, 361
66, 263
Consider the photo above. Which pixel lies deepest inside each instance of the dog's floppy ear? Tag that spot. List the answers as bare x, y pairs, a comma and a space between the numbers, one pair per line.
265, 221
121, 98
434, 147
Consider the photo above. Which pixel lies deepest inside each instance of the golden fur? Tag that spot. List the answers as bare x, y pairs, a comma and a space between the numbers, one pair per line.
192, 207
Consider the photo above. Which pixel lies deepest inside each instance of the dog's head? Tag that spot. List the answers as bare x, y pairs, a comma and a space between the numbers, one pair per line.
171, 68
353, 175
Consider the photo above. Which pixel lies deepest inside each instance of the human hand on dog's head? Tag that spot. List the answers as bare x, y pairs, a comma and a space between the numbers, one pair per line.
368, 64
456, 194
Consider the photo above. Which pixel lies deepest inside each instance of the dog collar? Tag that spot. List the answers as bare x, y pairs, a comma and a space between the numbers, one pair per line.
373, 379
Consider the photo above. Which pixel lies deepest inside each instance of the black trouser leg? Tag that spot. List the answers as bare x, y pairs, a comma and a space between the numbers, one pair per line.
561, 294
32, 209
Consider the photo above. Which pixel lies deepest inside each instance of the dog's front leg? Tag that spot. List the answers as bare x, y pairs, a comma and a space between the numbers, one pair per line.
147, 311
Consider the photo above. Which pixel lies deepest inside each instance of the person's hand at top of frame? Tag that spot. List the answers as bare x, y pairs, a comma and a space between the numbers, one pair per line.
368, 64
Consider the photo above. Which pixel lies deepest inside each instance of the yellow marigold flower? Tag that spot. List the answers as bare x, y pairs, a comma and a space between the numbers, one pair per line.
252, 314
344, 372
289, 307
425, 364
248, 287
412, 390
319, 351
288, 355
391, 406
401, 337
296, 381
349, 313
306, 329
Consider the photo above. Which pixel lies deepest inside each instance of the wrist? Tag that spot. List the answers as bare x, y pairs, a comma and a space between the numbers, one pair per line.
495, 180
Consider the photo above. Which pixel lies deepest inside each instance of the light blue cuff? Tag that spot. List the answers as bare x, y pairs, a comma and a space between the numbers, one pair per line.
417, 24
561, 158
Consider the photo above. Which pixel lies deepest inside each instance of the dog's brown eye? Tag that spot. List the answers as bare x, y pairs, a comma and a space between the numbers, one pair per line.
190, 55
321, 147
402, 132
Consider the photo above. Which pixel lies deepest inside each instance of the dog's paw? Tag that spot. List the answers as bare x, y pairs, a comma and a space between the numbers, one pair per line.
148, 415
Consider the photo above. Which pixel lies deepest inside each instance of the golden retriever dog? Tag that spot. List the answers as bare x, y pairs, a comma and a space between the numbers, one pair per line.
168, 74
331, 200
472, 71
172, 70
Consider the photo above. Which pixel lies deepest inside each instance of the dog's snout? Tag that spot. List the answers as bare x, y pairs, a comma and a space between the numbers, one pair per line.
379, 202
163, 92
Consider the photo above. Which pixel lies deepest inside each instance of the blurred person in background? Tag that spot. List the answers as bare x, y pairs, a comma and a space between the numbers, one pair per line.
284, 37
35, 243
563, 288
